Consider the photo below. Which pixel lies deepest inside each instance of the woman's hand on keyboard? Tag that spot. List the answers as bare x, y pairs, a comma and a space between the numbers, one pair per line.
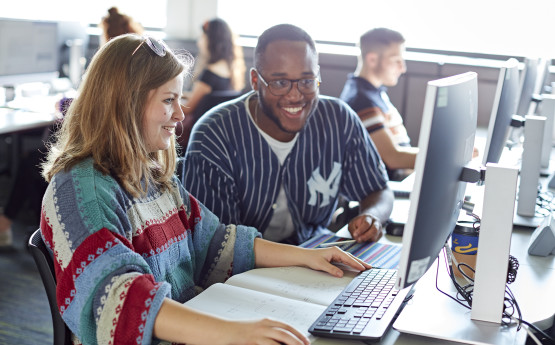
322, 259
272, 254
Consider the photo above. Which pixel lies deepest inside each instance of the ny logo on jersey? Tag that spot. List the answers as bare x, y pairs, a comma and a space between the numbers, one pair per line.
328, 188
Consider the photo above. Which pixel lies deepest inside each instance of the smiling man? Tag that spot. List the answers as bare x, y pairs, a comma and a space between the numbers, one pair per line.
278, 157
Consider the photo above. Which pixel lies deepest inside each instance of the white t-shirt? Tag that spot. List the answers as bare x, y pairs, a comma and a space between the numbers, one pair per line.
281, 225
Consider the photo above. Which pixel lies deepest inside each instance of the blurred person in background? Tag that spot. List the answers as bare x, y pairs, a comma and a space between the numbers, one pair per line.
220, 66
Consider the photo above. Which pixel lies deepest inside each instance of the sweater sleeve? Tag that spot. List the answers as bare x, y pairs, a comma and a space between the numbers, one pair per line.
221, 250
106, 292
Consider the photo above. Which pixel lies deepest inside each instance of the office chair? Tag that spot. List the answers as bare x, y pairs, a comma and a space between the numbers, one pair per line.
213, 99
45, 265
206, 103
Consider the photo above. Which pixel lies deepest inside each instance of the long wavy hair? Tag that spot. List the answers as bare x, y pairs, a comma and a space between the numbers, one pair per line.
222, 45
105, 121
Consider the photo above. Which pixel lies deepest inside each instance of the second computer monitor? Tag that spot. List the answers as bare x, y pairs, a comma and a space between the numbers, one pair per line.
528, 85
445, 147
28, 51
504, 107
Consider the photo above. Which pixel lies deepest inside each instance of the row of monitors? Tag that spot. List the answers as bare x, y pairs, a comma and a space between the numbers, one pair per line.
446, 144
513, 96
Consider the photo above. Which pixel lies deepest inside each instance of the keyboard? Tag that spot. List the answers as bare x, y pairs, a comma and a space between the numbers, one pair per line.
401, 193
365, 309
402, 189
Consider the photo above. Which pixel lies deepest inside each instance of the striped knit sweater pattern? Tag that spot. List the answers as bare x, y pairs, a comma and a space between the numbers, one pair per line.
117, 257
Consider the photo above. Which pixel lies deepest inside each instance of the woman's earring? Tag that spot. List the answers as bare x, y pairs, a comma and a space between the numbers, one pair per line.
179, 124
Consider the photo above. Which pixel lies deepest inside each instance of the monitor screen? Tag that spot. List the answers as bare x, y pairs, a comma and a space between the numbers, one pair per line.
28, 51
445, 147
527, 89
504, 107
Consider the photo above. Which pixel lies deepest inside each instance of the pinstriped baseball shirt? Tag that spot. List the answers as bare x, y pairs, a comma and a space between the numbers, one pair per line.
233, 171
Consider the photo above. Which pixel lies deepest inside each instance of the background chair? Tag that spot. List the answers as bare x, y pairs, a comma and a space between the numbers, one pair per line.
45, 264
213, 99
206, 103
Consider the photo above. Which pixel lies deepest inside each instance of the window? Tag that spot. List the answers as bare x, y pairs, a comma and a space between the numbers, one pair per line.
496, 27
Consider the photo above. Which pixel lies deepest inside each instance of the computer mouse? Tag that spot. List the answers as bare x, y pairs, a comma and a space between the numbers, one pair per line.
394, 229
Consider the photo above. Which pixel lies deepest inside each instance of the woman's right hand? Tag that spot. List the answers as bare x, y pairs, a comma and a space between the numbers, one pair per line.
265, 331
178, 323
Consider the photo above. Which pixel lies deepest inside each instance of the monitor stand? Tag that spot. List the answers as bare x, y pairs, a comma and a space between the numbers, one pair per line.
530, 222
432, 314
526, 215
547, 110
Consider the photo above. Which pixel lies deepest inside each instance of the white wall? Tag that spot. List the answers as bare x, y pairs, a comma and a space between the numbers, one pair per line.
185, 17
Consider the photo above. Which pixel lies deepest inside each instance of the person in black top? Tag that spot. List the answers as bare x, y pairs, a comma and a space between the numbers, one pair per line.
220, 66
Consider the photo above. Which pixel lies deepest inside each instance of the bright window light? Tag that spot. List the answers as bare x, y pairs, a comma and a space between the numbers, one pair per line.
496, 27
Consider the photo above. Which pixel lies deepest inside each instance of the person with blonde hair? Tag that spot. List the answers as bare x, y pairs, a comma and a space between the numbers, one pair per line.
130, 244
28, 186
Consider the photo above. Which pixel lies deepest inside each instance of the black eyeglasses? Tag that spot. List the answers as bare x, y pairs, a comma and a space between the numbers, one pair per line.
155, 45
282, 87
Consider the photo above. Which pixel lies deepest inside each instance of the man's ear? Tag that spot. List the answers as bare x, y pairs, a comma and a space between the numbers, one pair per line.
254, 79
371, 59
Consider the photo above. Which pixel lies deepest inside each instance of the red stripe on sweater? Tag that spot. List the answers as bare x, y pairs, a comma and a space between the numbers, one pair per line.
90, 249
148, 240
157, 237
133, 309
194, 213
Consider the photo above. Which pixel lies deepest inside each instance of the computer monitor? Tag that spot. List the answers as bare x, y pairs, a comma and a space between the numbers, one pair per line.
504, 107
528, 85
28, 51
445, 147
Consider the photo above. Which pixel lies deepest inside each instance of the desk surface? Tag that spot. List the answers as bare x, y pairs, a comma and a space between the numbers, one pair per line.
28, 113
535, 279
13, 121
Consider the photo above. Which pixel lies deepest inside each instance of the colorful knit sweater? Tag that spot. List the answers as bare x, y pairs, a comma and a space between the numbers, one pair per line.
117, 257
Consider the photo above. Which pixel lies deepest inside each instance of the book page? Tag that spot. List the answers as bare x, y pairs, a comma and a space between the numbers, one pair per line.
300, 283
235, 303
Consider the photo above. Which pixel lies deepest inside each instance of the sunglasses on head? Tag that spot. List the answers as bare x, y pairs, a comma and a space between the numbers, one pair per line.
155, 45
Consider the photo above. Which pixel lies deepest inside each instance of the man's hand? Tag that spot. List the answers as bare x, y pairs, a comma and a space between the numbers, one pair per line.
365, 228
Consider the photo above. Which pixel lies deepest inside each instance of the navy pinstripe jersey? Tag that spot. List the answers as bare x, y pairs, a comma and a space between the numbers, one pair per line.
231, 168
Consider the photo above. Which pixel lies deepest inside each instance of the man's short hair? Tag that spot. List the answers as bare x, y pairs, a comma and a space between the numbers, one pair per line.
376, 40
279, 32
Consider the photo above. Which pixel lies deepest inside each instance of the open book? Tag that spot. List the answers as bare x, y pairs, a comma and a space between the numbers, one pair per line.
295, 295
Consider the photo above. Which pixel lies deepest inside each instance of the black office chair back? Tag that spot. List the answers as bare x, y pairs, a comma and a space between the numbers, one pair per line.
213, 99
206, 103
45, 264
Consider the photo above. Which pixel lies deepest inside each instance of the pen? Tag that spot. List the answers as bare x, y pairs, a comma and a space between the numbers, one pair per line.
330, 244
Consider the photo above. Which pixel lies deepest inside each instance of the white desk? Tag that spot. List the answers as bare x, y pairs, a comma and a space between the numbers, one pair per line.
13, 121
533, 289
24, 113
38, 113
